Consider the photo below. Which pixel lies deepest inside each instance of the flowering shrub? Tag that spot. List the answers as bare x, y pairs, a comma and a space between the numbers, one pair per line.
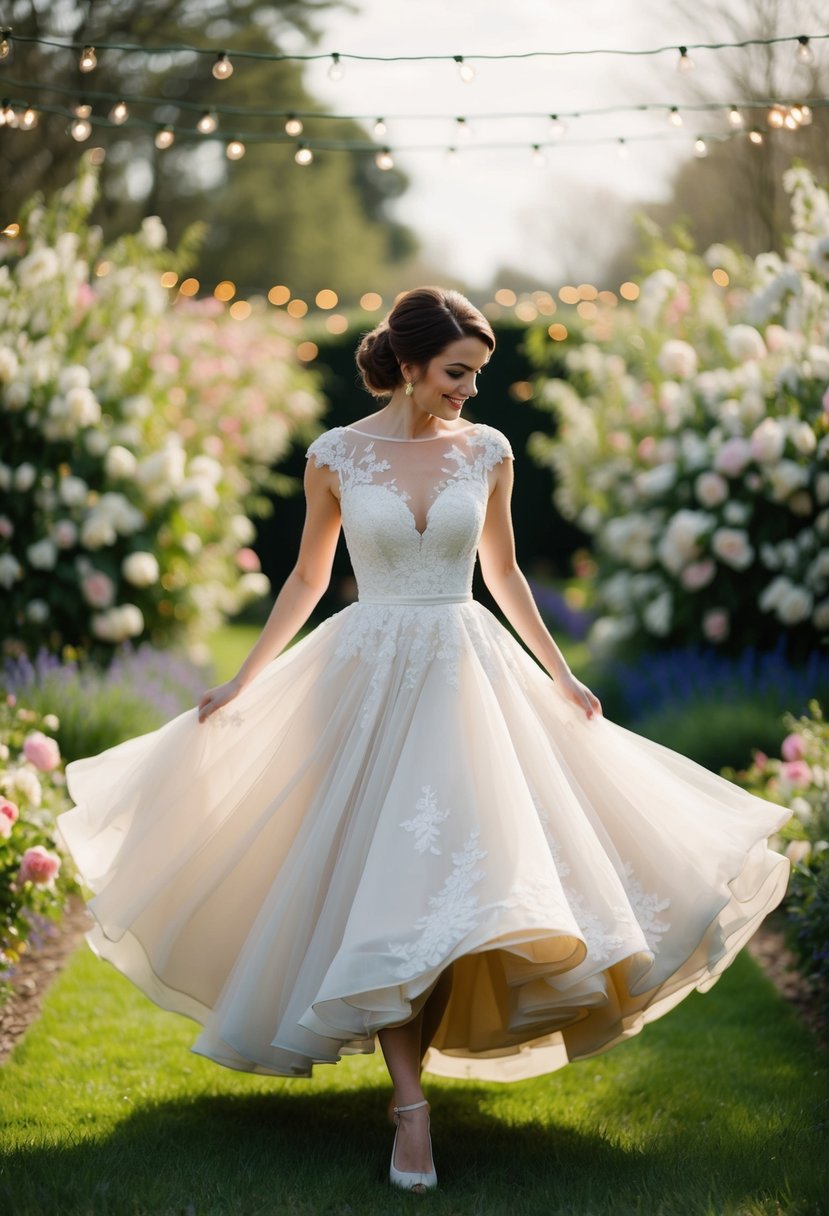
138, 435
34, 883
799, 779
692, 442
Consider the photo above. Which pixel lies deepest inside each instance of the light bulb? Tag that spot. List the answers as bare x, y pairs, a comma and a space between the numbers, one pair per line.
303, 155
222, 68
557, 127
805, 115
383, 159
379, 129
235, 150
293, 125
685, 63
776, 117
165, 138
119, 113
735, 118
756, 136
805, 54
28, 119
5, 46
8, 117
336, 71
674, 117
88, 61
80, 129
207, 123
700, 148
790, 122
465, 70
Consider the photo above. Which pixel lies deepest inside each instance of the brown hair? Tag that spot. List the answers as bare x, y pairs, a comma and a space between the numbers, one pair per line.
422, 323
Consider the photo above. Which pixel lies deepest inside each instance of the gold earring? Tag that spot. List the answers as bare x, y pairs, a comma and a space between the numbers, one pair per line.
409, 388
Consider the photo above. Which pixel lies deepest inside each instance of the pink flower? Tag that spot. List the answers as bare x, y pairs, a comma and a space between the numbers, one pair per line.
715, 624
797, 773
41, 751
793, 747
760, 760
9, 810
247, 560
38, 866
698, 574
732, 457
98, 589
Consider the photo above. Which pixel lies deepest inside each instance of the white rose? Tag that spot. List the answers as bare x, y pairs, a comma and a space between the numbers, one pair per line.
140, 569
794, 605
678, 359
205, 467
10, 570
74, 375
153, 232
743, 343
732, 457
657, 614
118, 624
73, 491
710, 489
785, 477
97, 531
818, 362
773, 592
736, 512
120, 462
243, 531
136, 407
192, 544
803, 438
8, 364
96, 442
43, 554
38, 267
731, 546
607, 631
26, 782
37, 611
83, 407
24, 476
767, 441
117, 509
653, 482
680, 541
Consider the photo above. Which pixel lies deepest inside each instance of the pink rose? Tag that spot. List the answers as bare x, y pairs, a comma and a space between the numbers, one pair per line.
698, 574
98, 589
38, 866
248, 560
5, 827
760, 760
793, 747
41, 751
9, 810
732, 457
797, 773
715, 624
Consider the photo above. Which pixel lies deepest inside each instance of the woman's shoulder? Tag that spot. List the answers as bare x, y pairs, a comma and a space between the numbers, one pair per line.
493, 443
328, 448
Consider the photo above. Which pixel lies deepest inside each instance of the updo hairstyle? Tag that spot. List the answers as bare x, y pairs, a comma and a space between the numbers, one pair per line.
422, 323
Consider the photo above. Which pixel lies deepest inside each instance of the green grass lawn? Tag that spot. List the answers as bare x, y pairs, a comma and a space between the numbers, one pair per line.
719, 1109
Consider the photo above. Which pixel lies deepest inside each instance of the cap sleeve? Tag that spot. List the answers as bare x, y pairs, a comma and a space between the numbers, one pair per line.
494, 446
328, 448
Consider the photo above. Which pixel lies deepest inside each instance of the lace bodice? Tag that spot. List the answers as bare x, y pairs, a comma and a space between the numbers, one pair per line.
412, 509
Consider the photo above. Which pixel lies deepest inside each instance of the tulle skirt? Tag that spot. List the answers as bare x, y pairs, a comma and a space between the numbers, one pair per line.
403, 790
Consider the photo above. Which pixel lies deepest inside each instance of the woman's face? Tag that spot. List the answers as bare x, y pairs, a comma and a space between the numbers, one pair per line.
448, 380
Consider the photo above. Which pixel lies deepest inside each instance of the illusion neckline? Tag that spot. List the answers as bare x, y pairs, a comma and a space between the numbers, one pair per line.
401, 439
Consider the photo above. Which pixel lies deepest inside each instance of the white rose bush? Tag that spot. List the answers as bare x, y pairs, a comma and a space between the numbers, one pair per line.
139, 435
692, 444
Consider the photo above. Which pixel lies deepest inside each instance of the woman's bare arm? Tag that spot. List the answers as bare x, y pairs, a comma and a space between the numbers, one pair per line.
512, 594
300, 592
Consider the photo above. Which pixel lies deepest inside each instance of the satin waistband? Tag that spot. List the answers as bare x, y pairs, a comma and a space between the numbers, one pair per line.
463, 598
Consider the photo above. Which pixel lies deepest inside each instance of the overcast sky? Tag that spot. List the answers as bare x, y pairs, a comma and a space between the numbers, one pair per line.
483, 209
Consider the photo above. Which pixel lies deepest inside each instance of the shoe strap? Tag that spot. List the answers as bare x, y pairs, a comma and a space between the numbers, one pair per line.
398, 1110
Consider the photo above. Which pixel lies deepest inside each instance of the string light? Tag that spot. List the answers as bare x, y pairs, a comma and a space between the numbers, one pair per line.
700, 148
303, 155
8, 117
557, 127
5, 45
336, 71
755, 135
89, 60
208, 123
776, 117
465, 70
165, 138
293, 125
384, 159
81, 128
28, 120
674, 117
735, 119
804, 53
380, 129
805, 115
235, 150
222, 68
119, 113
685, 63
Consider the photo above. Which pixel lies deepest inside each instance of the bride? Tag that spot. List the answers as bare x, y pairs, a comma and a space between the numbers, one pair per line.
403, 828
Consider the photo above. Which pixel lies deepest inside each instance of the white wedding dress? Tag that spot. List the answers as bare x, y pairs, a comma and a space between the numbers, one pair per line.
406, 789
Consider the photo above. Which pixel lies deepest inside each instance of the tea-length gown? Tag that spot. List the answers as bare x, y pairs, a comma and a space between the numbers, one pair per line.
403, 789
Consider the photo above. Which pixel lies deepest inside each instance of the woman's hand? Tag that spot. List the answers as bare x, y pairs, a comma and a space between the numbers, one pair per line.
215, 698
579, 694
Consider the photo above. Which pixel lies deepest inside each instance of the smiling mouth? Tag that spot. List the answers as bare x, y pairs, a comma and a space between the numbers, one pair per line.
458, 401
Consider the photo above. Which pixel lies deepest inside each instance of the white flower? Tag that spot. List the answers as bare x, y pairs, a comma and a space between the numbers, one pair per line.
743, 343
43, 554
678, 359
680, 542
117, 509
192, 543
136, 407
800, 503
817, 362
631, 538
653, 482
153, 232
37, 611
24, 782
96, 442
736, 512
8, 364
10, 570
74, 375
243, 531
607, 631
657, 614
24, 476
165, 468
819, 256
97, 531
767, 441
83, 407
254, 584
785, 477
38, 267
798, 851
118, 624
731, 546
205, 467
73, 491
732, 457
120, 462
803, 438
795, 604
140, 569
710, 489
720, 256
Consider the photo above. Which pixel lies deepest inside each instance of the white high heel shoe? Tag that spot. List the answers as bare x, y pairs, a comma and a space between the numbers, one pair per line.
409, 1180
